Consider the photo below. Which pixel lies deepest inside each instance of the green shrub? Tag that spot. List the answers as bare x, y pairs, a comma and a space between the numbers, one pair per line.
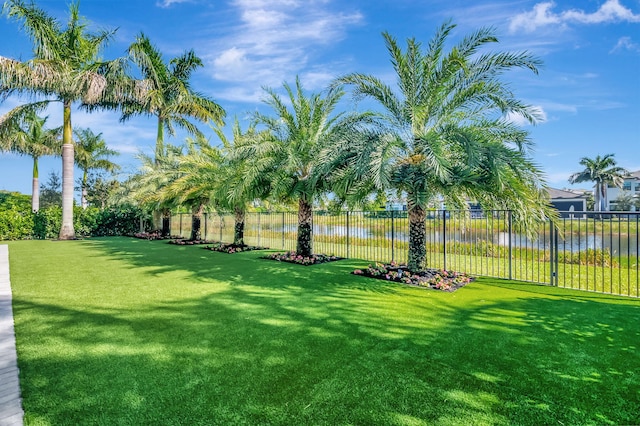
15, 224
47, 223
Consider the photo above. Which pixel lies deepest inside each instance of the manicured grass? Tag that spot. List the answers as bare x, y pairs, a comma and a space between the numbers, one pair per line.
125, 331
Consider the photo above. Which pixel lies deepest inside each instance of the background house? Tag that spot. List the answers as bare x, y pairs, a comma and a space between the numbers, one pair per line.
568, 201
631, 186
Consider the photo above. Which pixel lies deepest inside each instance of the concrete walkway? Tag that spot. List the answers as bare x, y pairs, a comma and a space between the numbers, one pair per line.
11, 412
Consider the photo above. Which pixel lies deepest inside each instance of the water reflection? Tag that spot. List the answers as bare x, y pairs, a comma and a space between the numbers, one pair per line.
617, 244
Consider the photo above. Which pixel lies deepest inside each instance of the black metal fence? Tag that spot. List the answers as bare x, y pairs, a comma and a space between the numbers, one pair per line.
587, 251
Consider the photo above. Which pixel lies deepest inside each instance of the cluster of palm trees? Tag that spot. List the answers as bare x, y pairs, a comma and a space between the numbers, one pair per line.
442, 132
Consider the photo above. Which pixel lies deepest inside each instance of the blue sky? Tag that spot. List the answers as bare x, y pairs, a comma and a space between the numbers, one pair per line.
588, 90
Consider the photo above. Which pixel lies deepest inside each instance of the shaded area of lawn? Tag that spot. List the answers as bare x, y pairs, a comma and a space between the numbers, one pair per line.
123, 331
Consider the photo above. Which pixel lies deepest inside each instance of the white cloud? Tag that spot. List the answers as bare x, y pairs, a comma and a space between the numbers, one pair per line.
625, 43
274, 41
542, 15
519, 120
168, 3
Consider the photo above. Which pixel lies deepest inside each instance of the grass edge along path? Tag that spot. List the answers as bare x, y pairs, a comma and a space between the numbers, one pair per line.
125, 331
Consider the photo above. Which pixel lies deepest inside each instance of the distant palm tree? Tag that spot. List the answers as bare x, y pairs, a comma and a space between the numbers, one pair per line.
92, 154
167, 94
300, 130
603, 171
446, 132
30, 137
66, 68
148, 187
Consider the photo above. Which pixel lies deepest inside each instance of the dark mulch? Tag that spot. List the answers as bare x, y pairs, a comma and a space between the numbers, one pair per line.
437, 279
183, 242
231, 248
293, 257
154, 235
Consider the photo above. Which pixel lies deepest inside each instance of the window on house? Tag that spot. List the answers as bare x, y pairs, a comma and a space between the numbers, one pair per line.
626, 186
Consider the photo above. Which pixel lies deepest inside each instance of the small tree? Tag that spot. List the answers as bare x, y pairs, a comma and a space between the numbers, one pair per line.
92, 154
51, 191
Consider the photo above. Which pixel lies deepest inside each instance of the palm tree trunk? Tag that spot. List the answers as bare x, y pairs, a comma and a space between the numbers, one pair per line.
166, 222
35, 188
83, 199
196, 221
417, 237
305, 228
66, 230
238, 232
159, 140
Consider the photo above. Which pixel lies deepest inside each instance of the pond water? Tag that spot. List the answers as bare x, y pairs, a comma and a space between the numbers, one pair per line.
617, 244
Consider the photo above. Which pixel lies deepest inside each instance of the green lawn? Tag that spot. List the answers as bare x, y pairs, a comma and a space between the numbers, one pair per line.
123, 331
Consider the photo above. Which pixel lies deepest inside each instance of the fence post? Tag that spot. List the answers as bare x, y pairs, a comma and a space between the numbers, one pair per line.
557, 256
205, 226
510, 222
282, 230
444, 238
551, 257
347, 233
393, 236
220, 220
258, 213
180, 225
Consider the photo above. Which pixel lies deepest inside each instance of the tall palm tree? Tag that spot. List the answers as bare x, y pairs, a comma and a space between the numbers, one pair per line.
446, 132
300, 129
603, 171
66, 68
92, 153
167, 93
29, 136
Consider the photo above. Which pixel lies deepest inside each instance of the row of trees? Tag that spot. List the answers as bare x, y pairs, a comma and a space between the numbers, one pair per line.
442, 131
27, 135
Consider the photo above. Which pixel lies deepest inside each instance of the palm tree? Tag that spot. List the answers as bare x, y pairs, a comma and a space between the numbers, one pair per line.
147, 188
195, 175
30, 137
234, 190
603, 171
92, 154
167, 92
446, 133
66, 68
292, 154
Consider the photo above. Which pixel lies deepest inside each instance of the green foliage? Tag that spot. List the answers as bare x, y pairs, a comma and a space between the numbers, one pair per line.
15, 223
120, 220
8, 200
47, 222
18, 222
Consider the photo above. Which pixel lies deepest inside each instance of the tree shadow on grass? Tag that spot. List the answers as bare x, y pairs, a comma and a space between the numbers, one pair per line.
269, 343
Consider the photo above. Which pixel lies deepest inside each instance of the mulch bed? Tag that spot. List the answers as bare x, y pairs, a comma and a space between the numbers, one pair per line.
155, 235
183, 242
436, 279
231, 248
293, 257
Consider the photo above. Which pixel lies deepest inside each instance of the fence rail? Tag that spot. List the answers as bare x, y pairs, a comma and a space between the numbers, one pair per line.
587, 251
